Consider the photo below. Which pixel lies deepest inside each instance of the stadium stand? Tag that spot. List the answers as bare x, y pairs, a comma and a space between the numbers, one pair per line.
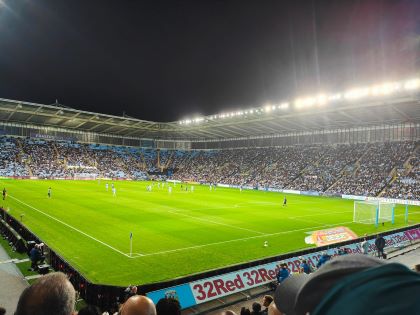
390, 169
371, 173
367, 147
12, 162
406, 183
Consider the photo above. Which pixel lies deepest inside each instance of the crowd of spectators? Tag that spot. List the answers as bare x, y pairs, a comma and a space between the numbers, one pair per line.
42, 158
341, 284
11, 163
54, 294
388, 288
371, 173
61, 159
407, 186
357, 169
319, 176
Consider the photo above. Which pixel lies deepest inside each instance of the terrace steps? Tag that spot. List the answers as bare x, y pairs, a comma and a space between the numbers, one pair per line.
25, 161
395, 175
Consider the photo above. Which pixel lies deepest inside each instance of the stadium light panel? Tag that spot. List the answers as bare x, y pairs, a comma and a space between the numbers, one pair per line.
321, 99
335, 97
356, 93
379, 90
412, 84
284, 105
384, 89
305, 102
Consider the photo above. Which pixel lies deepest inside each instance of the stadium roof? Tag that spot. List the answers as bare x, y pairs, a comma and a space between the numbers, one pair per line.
302, 115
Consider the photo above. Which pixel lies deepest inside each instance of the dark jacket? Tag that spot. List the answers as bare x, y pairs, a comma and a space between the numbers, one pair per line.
35, 254
380, 243
305, 268
282, 274
322, 260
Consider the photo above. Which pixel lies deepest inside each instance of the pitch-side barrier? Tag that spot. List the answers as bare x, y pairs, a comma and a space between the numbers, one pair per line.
207, 286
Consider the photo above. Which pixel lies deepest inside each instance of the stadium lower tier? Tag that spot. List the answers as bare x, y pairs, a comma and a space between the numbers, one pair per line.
370, 169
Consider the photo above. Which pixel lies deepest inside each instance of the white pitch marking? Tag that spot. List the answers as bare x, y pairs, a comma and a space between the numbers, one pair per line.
319, 214
239, 239
72, 227
214, 222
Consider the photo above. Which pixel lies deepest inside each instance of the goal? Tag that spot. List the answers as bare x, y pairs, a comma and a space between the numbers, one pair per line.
373, 212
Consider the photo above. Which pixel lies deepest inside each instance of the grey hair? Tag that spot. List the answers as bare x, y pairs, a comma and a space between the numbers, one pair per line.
50, 294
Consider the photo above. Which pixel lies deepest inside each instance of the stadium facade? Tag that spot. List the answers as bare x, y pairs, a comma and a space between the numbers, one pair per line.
381, 114
389, 112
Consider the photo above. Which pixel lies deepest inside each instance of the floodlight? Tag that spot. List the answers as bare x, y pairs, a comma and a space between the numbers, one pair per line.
284, 105
384, 89
321, 99
357, 93
335, 97
412, 84
267, 108
305, 102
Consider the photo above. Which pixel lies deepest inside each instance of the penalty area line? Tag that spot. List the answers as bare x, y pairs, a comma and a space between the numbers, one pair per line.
214, 222
237, 240
70, 226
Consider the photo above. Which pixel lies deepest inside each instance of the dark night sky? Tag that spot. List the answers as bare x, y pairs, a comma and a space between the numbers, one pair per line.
168, 60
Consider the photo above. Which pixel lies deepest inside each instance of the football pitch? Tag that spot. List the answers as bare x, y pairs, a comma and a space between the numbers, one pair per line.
173, 234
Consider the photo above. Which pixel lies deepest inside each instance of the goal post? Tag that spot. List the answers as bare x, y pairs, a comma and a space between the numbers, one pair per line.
373, 212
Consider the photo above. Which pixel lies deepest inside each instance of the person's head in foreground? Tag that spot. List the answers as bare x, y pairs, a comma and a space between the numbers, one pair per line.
267, 299
138, 305
89, 310
168, 306
256, 308
50, 294
349, 285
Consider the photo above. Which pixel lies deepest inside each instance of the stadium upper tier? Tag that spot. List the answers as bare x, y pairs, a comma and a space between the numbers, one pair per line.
371, 169
390, 103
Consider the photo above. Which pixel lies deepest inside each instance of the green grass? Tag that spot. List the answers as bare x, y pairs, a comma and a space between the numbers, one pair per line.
178, 234
22, 266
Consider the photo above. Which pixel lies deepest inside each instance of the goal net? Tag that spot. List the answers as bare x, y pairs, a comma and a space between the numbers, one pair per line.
373, 212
